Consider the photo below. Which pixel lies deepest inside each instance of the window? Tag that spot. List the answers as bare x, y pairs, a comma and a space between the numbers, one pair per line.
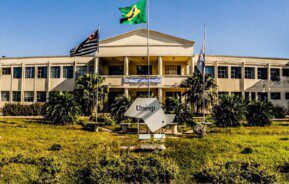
16, 96
5, 96
285, 72
275, 96
221, 94
262, 96
239, 94
81, 70
263, 73
287, 96
29, 72
275, 74
6, 71
247, 96
236, 72
91, 70
68, 72
115, 70
210, 70
175, 95
28, 96
222, 71
249, 73
173, 70
253, 95
41, 96
17, 72
55, 71
143, 70
42, 72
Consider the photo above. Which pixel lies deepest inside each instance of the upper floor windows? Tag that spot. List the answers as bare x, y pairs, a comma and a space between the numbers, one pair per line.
17, 72
68, 72
29, 72
115, 70
275, 74
263, 73
5, 96
285, 72
81, 70
42, 72
236, 72
173, 70
6, 71
16, 96
249, 73
55, 72
210, 70
143, 70
222, 72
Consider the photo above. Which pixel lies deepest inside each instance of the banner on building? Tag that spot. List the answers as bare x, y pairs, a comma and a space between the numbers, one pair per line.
155, 80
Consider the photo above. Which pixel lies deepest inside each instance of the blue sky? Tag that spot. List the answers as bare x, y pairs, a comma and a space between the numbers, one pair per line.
234, 27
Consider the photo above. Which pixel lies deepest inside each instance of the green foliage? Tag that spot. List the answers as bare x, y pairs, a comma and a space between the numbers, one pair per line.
183, 112
129, 169
229, 112
195, 93
86, 91
234, 172
120, 106
55, 147
61, 108
279, 112
200, 130
89, 126
35, 109
247, 150
259, 113
103, 118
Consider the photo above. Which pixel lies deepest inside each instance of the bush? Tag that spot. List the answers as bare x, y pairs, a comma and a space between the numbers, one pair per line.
104, 118
120, 106
279, 112
129, 169
35, 109
234, 172
259, 113
55, 147
247, 150
229, 111
89, 126
61, 108
200, 130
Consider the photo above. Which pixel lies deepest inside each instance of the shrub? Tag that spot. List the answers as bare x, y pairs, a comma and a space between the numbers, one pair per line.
104, 118
259, 113
234, 172
247, 150
120, 106
61, 108
35, 109
229, 111
55, 147
129, 169
279, 112
284, 168
200, 130
89, 126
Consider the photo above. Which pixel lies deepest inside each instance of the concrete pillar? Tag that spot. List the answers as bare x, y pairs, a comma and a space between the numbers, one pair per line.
126, 66
160, 95
48, 79
96, 65
22, 83
216, 73
174, 129
242, 86
126, 92
192, 65
11, 85
34, 86
268, 83
0, 79
74, 69
160, 66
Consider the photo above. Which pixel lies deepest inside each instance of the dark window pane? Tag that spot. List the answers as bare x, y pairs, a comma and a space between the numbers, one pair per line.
143, 70
42, 72
68, 72
222, 72
275, 96
81, 70
16, 96
29, 72
17, 72
174, 94
91, 70
275, 74
210, 70
249, 73
55, 72
287, 96
285, 72
41, 96
28, 96
115, 70
5, 96
236, 72
253, 96
263, 73
6, 71
262, 96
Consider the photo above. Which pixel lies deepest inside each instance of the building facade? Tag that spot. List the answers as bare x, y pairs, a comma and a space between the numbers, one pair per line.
123, 61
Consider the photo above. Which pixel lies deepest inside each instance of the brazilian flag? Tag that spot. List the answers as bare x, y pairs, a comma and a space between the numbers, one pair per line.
135, 14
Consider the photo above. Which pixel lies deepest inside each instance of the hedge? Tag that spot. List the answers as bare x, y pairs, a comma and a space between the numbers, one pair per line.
35, 109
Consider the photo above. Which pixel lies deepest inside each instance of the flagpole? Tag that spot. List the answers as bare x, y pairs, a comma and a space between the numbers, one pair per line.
204, 74
148, 47
97, 69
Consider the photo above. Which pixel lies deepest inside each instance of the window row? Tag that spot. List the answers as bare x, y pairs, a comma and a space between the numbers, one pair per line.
260, 95
28, 96
236, 72
42, 71
143, 70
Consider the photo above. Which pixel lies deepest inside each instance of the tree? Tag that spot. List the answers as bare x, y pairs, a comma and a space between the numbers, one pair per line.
259, 113
183, 112
120, 106
194, 94
61, 108
86, 91
229, 112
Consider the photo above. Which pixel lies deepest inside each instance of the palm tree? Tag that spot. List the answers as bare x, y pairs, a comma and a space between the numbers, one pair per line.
120, 106
61, 108
195, 91
86, 91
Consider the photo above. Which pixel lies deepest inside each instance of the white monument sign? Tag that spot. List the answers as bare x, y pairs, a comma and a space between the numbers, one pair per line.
150, 110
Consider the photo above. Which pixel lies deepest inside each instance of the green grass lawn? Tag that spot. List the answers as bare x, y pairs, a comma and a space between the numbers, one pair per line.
25, 143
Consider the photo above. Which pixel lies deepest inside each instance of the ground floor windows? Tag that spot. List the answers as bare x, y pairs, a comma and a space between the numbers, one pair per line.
6, 71
41, 96
173, 94
28, 96
5, 96
173, 70
239, 94
275, 96
222, 93
285, 72
16, 96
